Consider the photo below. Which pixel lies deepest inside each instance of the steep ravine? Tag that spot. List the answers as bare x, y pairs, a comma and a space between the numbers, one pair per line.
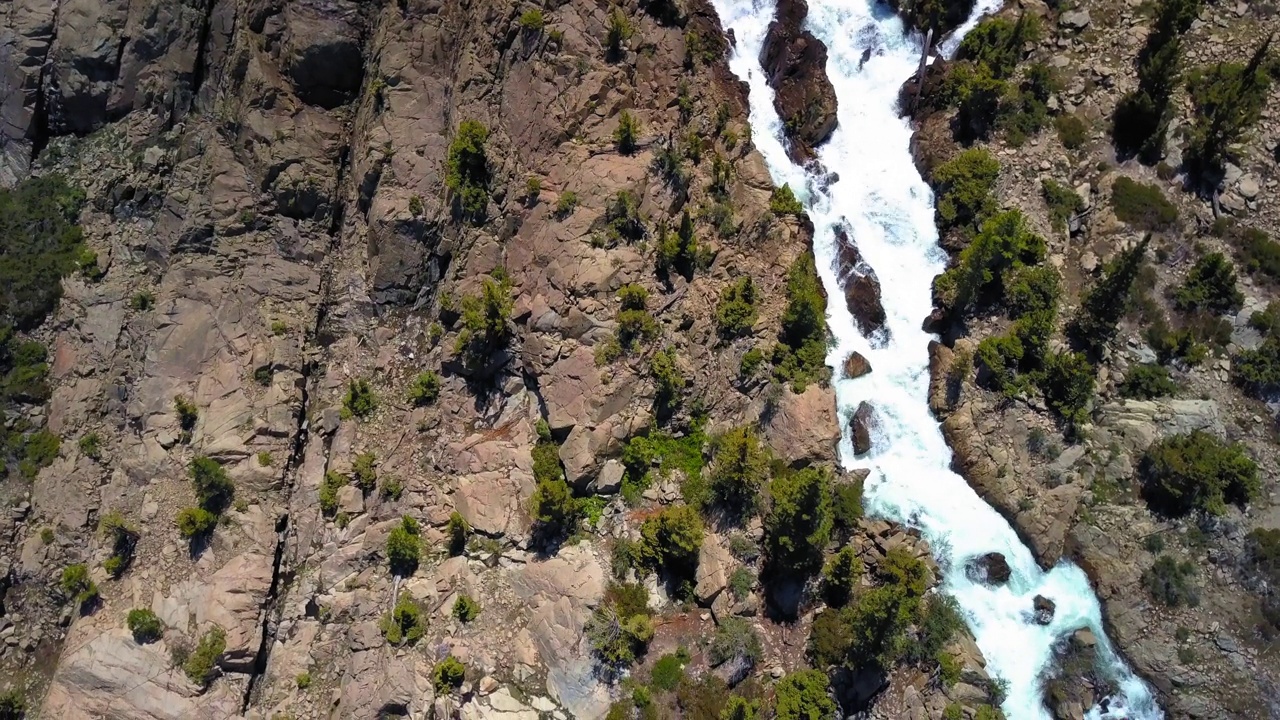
884, 203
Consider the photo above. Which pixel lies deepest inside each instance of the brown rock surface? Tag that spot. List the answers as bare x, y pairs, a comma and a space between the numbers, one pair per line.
795, 62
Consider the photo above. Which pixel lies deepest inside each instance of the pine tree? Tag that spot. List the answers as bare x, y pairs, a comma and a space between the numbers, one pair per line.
1094, 325
1229, 99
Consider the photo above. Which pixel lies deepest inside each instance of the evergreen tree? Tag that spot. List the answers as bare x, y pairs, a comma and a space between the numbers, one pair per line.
1094, 325
1229, 99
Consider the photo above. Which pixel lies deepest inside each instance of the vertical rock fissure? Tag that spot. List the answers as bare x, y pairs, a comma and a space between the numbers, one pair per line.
200, 68
39, 132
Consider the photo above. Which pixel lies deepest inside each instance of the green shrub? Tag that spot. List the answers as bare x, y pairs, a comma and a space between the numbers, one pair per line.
1197, 471
739, 470
937, 625
668, 671
741, 580
145, 625
123, 538
456, 531
265, 459
39, 450
840, 577
1258, 370
214, 489
359, 401
627, 133
668, 382
404, 547
670, 541
799, 523
804, 695
328, 492
77, 586
485, 319
1229, 99
363, 473
13, 706
740, 708
800, 357
679, 251
1210, 286
405, 624
750, 364
1067, 384
1063, 202
532, 20
1172, 582
619, 31
618, 639
24, 369
187, 412
662, 453
467, 168
736, 311
142, 301
1147, 382
1003, 244
1072, 131
734, 638
997, 42
1263, 553
1106, 301
465, 608
1031, 289
566, 204
622, 218
425, 388
40, 243
195, 522
303, 680
1142, 205
964, 187
784, 202
846, 505
201, 665
1259, 252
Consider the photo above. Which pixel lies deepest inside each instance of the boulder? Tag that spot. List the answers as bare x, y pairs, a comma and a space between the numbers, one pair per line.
990, 569
795, 62
714, 564
863, 423
1076, 20
802, 428
1043, 609
856, 365
609, 481
861, 286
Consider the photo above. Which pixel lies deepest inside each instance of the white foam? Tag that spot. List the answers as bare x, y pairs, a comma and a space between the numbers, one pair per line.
888, 210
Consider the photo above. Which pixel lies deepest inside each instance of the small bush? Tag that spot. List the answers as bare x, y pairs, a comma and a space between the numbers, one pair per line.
303, 680
328, 492
456, 531
804, 695
145, 625
1197, 471
467, 168
734, 638
1258, 370
736, 311
840, 577
187, 412
627, 134
195, 522
202, 664
671, 540
1210, 286
1067, 384
425, 388
77, 586
1142, 205
739, 470
1063, 202
1148, 381
214, 488
448, 675
363, 473
465, 608
800, 357
1072, 131
1259, 252
618, 639
40, 243
1172, 582
566, 204
741, 580
963, 186
619, 31
405, 624
668, 671
799, 523
142, 301
91, 446
750, 364
532, 20
784, 202
359, 402
404, 547
846, 505
981, 275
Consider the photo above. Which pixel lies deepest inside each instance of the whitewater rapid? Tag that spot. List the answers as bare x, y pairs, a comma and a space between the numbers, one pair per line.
888, 211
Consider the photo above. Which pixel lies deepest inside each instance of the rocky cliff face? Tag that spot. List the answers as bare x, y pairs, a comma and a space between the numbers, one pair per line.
796, 64
1078, 493
279, 204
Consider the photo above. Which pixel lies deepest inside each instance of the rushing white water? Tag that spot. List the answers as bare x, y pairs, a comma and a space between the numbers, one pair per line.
888, 211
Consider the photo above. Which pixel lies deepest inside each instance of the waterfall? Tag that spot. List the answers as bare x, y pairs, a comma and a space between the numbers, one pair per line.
887, 209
